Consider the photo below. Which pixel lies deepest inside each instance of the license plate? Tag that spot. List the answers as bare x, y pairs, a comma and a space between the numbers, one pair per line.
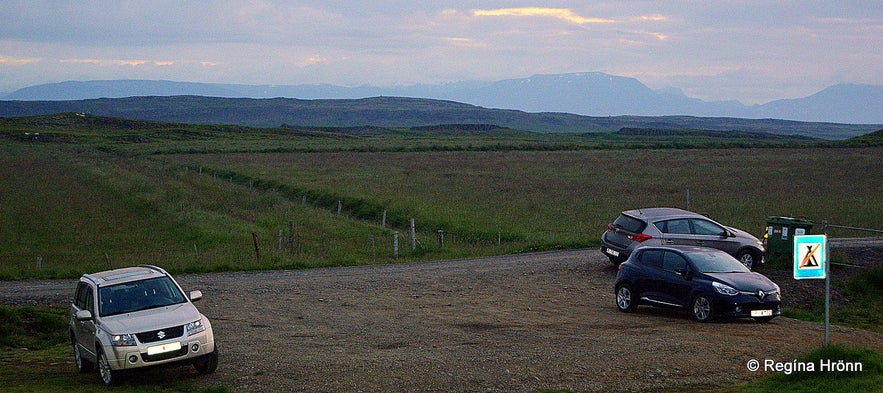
157, 349
612, 252
761, 313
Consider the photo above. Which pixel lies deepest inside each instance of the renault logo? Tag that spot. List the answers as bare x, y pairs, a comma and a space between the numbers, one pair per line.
161, 334
760, 294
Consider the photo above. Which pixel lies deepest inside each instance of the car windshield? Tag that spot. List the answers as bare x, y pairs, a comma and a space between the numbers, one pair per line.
716, 262
138, 295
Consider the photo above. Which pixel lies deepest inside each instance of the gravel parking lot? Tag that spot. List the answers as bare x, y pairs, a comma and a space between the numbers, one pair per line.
503, 324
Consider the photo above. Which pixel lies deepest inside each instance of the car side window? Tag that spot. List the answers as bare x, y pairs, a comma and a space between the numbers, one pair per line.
84, 297
673, 261
651, 258
703, 227
678, 227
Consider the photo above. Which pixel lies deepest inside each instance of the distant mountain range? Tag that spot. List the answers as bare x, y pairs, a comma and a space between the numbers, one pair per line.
589, 94
402, 112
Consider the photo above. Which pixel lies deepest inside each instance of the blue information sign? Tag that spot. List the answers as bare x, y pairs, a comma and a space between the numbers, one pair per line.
810, 256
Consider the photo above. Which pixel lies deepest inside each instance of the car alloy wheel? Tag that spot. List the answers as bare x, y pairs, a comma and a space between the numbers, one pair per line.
107, 375
625, 300
747, 259
701, 309
83, 366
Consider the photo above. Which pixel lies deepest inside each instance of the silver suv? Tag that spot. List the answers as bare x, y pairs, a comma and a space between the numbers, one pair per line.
669, 226
137, 317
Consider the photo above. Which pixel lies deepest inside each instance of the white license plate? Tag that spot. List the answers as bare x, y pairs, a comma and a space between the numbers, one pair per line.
761, 313
157, 349
613, 252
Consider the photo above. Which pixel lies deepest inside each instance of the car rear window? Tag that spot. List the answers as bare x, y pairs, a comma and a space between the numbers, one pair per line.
630, 224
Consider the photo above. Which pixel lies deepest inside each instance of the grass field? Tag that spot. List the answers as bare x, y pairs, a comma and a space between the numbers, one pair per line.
85, 193
81, 194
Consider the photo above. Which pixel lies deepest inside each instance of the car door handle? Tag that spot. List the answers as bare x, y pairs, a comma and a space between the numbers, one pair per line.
701, 242
669, 241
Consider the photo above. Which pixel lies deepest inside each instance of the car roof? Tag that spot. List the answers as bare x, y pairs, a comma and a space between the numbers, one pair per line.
117, 276
683, 248
660, 213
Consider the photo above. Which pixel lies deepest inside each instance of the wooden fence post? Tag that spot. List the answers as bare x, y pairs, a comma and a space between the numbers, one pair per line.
383, 220
257, 248
39, 263
395, 244
441, 238
339, 207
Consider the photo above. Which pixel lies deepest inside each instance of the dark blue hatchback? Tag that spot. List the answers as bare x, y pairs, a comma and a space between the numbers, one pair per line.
704, 281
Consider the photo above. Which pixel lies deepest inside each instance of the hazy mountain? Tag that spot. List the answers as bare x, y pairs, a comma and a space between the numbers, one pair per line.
398, 112
591, 94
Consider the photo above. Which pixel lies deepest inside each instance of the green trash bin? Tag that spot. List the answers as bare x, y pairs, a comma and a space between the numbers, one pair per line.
780, 232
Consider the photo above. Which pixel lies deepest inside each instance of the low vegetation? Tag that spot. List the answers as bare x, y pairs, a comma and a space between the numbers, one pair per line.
91, 193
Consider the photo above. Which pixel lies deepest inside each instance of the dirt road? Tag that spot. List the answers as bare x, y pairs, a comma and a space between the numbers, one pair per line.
504, 324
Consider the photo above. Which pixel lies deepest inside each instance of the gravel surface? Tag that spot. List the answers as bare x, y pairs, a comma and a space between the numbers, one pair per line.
515, 323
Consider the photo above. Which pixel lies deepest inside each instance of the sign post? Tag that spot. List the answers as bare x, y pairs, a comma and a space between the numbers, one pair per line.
811, 262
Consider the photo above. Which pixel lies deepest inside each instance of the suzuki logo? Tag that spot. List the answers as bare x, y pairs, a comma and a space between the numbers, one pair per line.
161, 334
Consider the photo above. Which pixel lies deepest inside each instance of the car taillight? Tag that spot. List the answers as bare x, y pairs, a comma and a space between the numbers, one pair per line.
611, 228
639, 237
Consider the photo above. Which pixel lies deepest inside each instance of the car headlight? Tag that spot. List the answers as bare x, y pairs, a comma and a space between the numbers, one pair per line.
123, 340
724, 289
194, 327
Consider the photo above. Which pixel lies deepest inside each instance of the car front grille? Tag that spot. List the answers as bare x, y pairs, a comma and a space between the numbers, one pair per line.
161, 334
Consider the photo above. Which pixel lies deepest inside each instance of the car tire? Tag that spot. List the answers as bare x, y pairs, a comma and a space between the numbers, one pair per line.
626, 299
748, 258
702, 309
763, 319
83, 365
208, 363
108, 376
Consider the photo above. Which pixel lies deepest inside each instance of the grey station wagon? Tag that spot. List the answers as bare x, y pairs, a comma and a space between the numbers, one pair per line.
670, 226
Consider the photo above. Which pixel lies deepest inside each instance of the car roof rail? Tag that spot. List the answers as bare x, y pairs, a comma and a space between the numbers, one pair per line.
155, 268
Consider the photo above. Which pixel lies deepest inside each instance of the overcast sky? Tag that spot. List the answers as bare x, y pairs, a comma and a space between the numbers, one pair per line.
752, 51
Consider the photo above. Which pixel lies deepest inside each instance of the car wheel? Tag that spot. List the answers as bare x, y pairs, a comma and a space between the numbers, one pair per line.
108, 376
702, 311
763, 319
626, 300
748, 258
207, 364
83, 365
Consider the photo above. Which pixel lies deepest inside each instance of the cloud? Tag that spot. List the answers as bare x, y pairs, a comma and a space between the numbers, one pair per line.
17, 61
115, 62
559, 13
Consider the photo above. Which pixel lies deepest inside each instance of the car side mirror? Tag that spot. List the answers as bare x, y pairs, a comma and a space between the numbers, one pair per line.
195, 295
683, 273
83, 315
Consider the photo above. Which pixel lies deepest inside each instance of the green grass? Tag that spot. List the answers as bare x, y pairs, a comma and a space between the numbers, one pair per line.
868, 380
863, 308
91, 196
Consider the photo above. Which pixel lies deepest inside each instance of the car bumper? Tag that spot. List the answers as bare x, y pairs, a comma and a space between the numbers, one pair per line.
745, 306
180, 350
